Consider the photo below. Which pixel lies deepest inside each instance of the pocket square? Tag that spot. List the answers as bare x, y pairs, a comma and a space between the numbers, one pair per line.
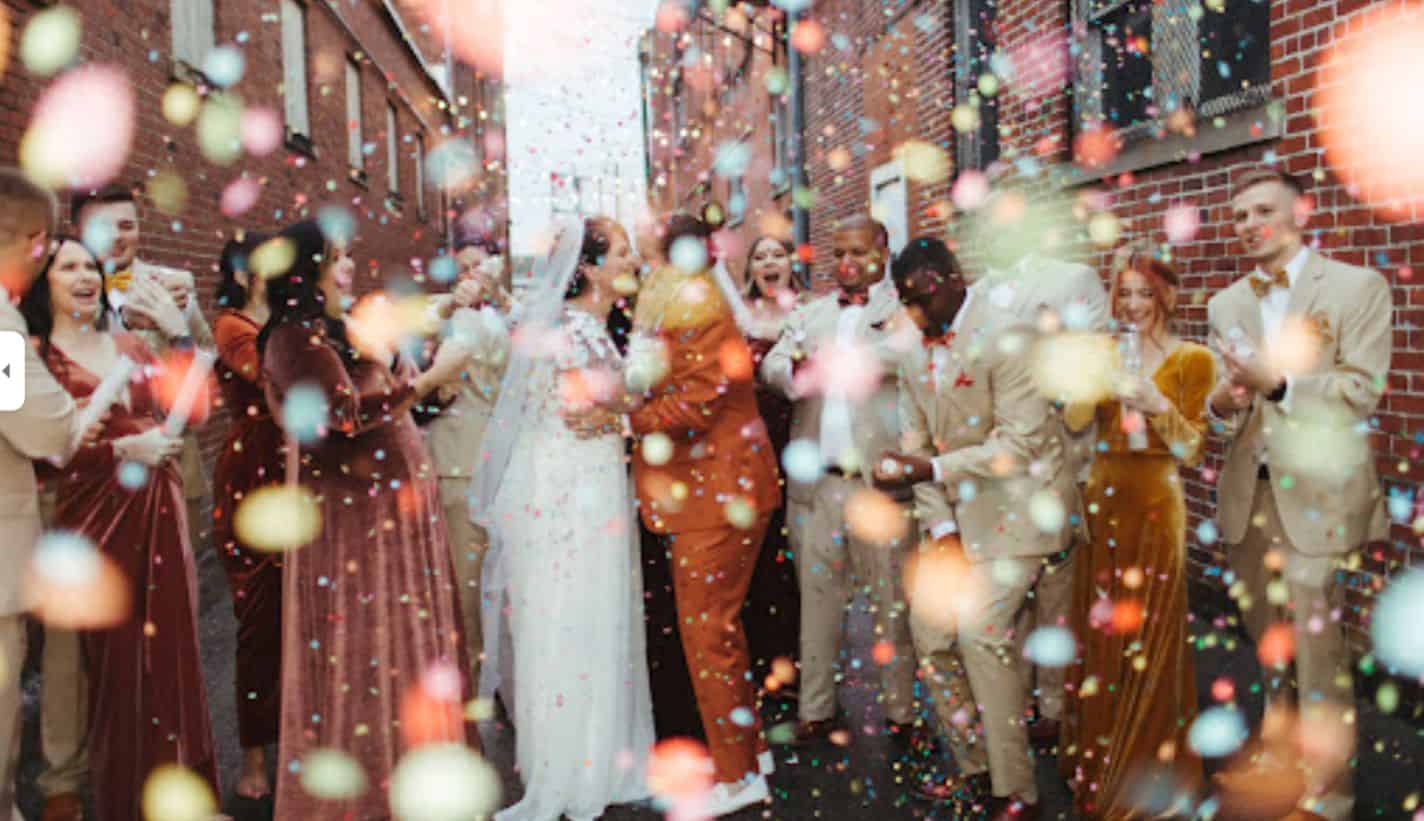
1318, 324
964, 380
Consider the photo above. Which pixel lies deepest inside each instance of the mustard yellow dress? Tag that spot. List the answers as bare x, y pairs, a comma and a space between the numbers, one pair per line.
1132, 695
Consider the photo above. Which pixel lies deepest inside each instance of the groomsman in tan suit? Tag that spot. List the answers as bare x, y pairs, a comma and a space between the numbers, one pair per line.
42, 428
825, 337
475, 312
984, 453
1306, 345
1026, 286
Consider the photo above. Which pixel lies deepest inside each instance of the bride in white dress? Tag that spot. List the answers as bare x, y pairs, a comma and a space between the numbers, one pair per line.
563, 562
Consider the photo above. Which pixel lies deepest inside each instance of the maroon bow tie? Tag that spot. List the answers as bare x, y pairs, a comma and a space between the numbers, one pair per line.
943, 339
857, 298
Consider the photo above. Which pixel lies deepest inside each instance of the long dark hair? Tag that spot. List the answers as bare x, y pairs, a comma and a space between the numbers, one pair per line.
36, 307
597, 240
231, 261
753, 289
293, 296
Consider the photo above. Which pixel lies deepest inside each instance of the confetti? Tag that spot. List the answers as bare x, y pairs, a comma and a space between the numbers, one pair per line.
1051, 646
174, 793
874, 517
75, 585
61, 147
1217, 732
679, 770
277, 518
220, 129
1398, 641
50, 41
444, 782
262, 131
181, 104
332, 775
224, 66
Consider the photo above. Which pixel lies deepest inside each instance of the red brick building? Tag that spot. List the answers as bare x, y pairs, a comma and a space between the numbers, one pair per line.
365, 96
1164, 102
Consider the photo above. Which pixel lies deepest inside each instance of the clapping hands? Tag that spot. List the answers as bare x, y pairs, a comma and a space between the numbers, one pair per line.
149, 303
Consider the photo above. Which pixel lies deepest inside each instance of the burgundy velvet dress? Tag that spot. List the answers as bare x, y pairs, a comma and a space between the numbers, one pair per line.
371, 604
147, 704
251, 457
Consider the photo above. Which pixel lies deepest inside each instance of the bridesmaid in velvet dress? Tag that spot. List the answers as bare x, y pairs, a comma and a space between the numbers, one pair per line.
147, 706
370, 605
251, 457
1124, 746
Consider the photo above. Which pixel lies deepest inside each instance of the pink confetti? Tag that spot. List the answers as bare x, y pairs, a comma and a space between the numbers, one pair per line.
62, 146
261, 131
240, 195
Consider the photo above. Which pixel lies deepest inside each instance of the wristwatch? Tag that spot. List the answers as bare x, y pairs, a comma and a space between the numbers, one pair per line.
1279, 392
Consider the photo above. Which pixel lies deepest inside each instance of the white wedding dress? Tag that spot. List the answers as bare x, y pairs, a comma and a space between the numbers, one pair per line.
564, 519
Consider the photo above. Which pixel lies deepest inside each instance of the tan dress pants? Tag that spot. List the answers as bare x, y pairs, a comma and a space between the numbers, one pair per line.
830, 564
1313, 592
468, 542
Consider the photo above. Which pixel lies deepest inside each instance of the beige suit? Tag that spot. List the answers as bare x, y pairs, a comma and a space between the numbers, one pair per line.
1322, 497
42, 428
1075, 294
829, 557
453, 439
1002, 478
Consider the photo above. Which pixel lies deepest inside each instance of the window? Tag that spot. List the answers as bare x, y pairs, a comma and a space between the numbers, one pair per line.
1140, 60
392, 151
420, 176
978, 146
192, 31
294, 68
355, 155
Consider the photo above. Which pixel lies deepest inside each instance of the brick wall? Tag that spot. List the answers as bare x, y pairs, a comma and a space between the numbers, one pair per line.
135, 35
883, 76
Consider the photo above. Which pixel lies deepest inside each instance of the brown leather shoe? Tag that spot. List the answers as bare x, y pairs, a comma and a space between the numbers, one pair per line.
63, 807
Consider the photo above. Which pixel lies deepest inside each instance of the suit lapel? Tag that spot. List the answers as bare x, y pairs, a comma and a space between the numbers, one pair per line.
1247, 315
1307, 287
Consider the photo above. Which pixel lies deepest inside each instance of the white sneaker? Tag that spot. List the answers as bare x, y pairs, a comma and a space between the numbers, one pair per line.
766, 763
722, 801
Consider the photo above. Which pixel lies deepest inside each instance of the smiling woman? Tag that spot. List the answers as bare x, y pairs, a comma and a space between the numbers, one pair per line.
123, 490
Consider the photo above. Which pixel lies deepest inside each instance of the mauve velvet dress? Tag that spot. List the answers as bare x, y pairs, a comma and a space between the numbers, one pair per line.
251, 457
147, 704
370, 605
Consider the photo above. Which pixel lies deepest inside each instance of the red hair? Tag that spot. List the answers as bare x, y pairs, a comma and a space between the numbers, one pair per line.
1160, 275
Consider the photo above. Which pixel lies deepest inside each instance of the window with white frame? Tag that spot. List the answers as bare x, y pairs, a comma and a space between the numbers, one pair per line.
392, 151
192, 30
294, 68
355, 138
420, 176
1140, 61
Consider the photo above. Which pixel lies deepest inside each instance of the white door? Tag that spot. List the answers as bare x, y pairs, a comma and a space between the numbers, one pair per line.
890, 202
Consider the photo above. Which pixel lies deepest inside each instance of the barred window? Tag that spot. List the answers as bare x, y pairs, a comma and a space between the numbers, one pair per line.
1139, 61
975, 147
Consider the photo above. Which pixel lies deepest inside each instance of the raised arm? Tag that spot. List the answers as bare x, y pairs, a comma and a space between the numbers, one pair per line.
778, 367
294, 356
687, 400
1183, 425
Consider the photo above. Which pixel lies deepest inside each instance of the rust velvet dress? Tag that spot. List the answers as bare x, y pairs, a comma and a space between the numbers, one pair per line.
251, 457
147, 704
1132, 695
370, 605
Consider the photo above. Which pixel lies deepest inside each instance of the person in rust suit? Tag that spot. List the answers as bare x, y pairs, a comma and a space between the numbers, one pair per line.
707, 484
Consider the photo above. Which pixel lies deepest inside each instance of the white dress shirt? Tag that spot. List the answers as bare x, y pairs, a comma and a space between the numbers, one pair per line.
1273, 310
837, 415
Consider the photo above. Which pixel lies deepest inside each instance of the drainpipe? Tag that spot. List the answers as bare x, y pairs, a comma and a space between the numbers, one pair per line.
800, 218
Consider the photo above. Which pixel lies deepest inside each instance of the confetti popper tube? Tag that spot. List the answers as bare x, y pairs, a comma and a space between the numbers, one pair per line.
104, 395
188, 394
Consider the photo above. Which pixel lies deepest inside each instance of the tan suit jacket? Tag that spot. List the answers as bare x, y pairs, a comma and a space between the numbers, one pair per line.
987, 427
43, 428
1316, 443
887, 333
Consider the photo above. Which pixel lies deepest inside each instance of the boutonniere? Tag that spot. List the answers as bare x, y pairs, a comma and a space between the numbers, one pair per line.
964, 380
1318, 323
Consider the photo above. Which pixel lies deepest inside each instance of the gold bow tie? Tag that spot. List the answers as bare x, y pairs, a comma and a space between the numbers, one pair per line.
119, 280
1263, 283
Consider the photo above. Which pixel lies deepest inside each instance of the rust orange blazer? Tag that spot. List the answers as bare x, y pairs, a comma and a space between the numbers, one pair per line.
722, 469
